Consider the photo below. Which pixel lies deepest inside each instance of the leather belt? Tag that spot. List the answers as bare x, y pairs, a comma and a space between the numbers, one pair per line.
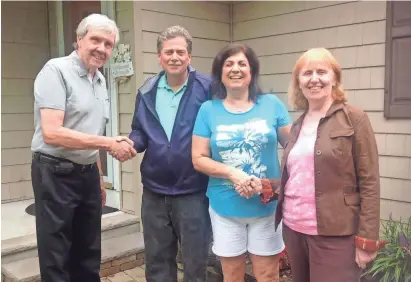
44, 158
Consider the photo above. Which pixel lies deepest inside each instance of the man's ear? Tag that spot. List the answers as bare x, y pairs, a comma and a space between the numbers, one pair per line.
189, 58
78, 41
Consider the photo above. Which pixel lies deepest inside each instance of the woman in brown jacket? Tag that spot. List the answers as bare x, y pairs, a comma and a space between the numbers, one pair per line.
329, 192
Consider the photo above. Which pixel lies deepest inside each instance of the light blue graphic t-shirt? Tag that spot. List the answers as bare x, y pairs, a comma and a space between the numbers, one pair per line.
247, 141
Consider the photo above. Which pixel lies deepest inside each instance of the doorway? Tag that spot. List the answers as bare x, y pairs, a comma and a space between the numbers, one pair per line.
72, 14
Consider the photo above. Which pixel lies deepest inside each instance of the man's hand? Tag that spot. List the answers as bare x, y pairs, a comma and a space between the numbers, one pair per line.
102, 191
122, 148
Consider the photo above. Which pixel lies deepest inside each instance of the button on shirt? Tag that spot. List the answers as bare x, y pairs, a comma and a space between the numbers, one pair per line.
167, 102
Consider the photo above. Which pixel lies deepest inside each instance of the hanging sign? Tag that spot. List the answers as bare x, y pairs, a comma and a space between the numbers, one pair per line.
122, 67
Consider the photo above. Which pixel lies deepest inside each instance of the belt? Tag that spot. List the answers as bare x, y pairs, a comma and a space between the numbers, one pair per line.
44, 158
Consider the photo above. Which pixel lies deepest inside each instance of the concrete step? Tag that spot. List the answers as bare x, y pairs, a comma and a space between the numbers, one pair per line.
117, 224
118, 254
112, 225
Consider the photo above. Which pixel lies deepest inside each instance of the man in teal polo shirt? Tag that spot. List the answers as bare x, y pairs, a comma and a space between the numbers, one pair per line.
167, 102
174, 206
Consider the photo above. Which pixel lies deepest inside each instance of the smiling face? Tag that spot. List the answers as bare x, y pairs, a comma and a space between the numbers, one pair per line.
236, 74
316, 80
96, 47
174, 57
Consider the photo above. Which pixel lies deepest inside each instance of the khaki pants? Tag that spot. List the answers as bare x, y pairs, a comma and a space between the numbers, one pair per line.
321, 258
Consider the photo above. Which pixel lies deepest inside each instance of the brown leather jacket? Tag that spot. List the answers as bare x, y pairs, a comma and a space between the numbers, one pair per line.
347, 189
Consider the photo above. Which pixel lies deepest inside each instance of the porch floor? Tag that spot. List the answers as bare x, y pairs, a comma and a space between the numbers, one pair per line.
15, 222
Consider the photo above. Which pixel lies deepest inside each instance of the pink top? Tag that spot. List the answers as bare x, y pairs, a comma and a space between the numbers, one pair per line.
299, 210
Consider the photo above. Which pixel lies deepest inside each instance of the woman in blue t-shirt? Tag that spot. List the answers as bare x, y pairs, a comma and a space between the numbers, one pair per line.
234, 140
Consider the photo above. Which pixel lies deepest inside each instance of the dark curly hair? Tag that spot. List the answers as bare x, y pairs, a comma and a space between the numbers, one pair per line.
218, 88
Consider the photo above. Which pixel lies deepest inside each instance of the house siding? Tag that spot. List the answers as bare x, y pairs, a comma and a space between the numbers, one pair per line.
279, 32
126, 94
140, 23
354, 32
25, 49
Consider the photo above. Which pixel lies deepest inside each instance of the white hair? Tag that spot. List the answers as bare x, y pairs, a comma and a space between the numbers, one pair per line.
100, 22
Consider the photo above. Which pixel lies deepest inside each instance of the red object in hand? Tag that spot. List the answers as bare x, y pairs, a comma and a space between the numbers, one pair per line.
369, 245
267, 194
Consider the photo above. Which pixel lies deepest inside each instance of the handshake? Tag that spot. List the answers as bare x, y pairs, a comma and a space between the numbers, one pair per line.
122, 148
244, 184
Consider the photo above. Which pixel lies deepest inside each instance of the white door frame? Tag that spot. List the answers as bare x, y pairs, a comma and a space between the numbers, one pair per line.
113, 166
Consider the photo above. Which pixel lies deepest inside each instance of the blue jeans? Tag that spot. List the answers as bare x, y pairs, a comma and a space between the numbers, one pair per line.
168, 220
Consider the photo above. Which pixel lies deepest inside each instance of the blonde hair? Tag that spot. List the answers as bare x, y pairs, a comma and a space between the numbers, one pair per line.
296, 96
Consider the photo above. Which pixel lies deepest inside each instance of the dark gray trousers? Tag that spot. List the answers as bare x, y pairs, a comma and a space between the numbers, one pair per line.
68, 221
168, 220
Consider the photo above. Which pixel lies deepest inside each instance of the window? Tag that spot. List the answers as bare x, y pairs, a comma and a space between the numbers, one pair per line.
397, 103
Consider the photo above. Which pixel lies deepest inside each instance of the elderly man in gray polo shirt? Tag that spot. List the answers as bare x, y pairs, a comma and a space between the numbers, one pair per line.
71, 111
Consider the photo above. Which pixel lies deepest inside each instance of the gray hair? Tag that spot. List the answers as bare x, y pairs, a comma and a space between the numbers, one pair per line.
100, 22
173, 32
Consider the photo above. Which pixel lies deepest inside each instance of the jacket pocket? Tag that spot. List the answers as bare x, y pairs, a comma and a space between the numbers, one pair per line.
345, 132
352, 199
341, 142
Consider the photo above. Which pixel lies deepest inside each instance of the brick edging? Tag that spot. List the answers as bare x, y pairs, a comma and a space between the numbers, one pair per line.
117, 265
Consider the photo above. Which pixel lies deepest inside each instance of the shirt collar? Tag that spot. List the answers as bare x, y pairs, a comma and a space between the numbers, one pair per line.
163, 84
81, 68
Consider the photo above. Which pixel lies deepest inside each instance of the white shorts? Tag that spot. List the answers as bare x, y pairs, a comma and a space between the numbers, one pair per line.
235, 236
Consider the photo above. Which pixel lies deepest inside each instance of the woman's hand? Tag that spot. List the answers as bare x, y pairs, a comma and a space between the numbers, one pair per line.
256, 184
252, 185
241, 182
362, 258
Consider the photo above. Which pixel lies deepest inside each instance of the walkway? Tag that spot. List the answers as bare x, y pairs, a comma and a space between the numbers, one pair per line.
137, 275
133, 275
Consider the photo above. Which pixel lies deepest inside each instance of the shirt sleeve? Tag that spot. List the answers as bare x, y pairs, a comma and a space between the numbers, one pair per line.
283, 117
202, 124
49, 89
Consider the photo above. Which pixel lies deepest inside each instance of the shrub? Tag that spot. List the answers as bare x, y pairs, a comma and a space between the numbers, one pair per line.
393, 262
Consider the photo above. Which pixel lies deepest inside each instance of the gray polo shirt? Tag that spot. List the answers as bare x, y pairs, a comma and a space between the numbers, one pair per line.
65, 84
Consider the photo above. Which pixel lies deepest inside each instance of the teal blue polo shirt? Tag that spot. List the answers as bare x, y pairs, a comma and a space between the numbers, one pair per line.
167, 102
